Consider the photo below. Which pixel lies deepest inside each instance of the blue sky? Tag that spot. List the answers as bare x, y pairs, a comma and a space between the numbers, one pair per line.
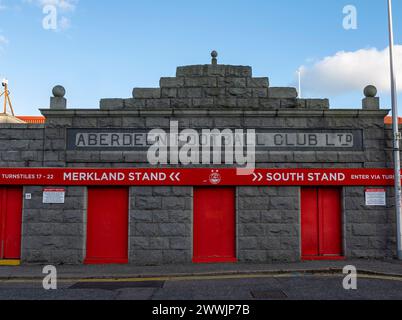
105, 48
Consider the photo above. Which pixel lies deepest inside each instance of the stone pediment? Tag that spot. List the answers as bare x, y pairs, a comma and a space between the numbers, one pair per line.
215, 86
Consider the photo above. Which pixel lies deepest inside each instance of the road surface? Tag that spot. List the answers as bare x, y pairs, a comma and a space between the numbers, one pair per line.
245, 287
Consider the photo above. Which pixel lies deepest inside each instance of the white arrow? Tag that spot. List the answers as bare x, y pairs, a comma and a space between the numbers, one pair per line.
175, 176
254, 177
257, 176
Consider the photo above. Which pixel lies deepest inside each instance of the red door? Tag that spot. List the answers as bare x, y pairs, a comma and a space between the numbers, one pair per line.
321, 223
10, 223
310, 232
107, 226
214, 225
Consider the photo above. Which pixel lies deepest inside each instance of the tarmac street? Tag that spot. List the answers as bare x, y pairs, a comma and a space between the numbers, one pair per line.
376, 280
282, 287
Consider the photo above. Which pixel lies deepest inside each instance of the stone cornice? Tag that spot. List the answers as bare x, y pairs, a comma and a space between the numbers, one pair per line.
215, 112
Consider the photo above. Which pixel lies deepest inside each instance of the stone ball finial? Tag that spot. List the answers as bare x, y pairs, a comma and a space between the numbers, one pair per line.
59, 91
370, 91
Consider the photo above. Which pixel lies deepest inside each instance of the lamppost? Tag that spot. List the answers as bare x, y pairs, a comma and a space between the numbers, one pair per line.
396, 136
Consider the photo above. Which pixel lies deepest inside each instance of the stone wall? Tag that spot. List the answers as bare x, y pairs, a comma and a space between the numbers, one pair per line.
213, 86
161, 225
373, 154
389, 145
268, 224
370, 232
21, 145
54, 233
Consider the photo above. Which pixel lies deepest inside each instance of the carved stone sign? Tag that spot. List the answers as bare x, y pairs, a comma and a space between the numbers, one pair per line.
266, 140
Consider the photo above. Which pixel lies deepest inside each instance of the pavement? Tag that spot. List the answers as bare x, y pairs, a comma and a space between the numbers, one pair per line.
388, 268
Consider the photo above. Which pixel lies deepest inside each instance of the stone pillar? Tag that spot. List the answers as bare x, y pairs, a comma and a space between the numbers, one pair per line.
58, 102
371, 102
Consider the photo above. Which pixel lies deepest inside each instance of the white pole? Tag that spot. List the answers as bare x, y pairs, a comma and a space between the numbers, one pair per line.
300, 92
395, 125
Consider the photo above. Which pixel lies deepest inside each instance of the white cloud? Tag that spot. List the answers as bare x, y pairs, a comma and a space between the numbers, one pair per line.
346, 72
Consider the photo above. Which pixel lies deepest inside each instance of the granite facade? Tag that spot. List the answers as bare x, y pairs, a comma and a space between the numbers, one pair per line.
160, 229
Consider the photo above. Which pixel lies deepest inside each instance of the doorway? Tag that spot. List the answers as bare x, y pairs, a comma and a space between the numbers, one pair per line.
214, 225
321, 210
107, 226
10, 223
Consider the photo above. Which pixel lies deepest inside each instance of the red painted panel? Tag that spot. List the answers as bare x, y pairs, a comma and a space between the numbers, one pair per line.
3, 215
2, 220
321, 223
107, 226
309, 222
214, 225
330, 222
10, 222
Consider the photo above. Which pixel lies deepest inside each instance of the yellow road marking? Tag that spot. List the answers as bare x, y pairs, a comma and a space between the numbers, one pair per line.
200, 278
10, 263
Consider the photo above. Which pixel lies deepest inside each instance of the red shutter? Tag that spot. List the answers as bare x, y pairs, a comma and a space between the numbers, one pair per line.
321, 223
10, 223
107, 226
214, 225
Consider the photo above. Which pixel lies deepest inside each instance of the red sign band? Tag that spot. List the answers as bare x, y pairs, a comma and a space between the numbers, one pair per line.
196, 177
